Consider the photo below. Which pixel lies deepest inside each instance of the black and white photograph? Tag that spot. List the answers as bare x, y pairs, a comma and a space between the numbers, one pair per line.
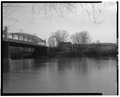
59, 48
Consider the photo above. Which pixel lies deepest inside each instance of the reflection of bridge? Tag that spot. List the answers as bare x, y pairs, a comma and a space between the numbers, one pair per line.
22, 40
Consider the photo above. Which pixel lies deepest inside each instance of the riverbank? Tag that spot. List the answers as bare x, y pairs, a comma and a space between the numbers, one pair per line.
88, 50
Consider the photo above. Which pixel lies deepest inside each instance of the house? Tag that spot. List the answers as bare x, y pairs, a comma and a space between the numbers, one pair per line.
65, 46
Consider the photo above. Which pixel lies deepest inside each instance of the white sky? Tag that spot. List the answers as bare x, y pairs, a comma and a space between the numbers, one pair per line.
77, 22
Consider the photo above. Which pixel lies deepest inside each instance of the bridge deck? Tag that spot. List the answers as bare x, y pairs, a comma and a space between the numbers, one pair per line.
22, 43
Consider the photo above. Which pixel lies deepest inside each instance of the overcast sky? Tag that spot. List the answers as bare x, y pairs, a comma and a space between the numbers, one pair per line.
78, 21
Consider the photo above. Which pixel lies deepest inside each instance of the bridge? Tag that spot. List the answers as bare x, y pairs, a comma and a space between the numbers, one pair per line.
22, 40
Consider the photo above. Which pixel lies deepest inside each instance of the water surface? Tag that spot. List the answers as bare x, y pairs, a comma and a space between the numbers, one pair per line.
61, 75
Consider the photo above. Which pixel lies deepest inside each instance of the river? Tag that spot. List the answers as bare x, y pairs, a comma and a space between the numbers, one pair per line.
61, 75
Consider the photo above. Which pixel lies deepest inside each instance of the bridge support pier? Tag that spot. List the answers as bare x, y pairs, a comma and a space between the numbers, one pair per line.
6, 54
6, 57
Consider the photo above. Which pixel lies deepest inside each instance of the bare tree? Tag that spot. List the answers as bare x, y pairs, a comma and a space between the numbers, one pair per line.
85, 37
76, 38
98, 41
81, 38
8, 10
47, 9
92, 10
59, 36
51, 42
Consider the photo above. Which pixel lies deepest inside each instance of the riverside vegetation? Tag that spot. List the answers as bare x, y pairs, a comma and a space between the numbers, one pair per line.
89, 50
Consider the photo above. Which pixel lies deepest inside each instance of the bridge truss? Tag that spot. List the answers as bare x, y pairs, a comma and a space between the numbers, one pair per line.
24, 38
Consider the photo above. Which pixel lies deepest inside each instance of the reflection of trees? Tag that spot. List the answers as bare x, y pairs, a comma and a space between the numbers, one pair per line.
100, 62
84, 64
6, 65
14, 65
39, 63
64, 64
81, 65
43, 62
21, 64
75, 64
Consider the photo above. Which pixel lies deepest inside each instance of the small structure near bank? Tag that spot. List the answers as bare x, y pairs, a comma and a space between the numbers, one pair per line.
65, 46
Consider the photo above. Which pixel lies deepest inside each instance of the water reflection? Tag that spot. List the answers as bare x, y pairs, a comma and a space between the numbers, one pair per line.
6, 65
61, 75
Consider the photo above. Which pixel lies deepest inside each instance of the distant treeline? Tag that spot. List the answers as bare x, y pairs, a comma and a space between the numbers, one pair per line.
79, 50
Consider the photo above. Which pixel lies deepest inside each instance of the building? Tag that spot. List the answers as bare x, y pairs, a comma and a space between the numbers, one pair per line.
65, 46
